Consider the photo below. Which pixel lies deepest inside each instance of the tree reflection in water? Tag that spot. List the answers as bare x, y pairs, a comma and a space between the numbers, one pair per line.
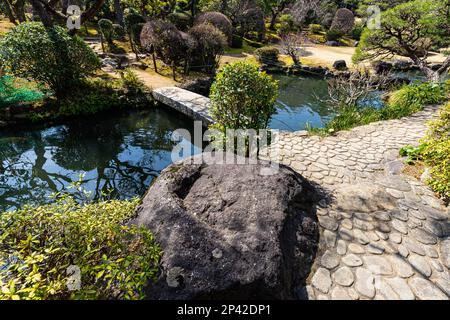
122, 154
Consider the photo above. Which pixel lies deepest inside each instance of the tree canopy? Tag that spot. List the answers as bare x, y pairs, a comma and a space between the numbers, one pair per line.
411, 30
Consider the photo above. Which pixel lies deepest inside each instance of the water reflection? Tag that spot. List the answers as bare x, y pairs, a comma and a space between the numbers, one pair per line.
122, 154
298, 105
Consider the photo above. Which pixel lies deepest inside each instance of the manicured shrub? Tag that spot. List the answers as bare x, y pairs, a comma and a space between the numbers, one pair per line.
45, 250
357, 31
49, 56
315, 28
343, 21
242, 97
436, 153
218, 20
333, 35
210, 45
267, 55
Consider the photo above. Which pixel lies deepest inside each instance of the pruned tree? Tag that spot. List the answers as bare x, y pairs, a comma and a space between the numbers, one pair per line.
164, 41
409, 30
218, 20
210, 45
291, 46
275, 8
347, 90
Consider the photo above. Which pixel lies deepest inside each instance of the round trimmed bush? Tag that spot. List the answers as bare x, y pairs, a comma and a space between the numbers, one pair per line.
218, 20
343, 21
267, 55
210, 45
242, 97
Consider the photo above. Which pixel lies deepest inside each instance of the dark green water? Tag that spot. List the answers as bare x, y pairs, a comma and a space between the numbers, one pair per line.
298, 104
119, 153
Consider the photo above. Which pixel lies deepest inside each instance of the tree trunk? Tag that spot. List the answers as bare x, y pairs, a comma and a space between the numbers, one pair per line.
119, 12
19, 9
101, 41
39, 9
9, 12
154, 62
173, 71
273, 20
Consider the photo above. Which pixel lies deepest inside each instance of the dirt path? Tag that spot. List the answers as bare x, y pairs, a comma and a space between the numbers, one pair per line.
326, 55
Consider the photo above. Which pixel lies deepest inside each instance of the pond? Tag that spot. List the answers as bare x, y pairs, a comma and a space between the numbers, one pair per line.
121, 153
298, 103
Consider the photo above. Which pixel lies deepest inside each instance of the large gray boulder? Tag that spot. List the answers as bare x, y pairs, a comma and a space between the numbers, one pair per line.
231, 231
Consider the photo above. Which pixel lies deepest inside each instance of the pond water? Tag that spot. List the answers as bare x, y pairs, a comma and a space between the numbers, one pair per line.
298, 103
122, 153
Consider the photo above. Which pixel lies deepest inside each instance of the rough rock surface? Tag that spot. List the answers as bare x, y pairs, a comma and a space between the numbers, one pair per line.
229, 231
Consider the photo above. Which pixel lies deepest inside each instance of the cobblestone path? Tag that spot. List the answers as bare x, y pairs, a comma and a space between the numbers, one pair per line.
383, 235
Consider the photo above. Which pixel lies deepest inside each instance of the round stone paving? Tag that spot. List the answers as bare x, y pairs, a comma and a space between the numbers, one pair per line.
384, 235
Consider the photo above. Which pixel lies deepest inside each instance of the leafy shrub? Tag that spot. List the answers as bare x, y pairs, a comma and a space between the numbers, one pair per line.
349, 117
134, 23
131, 81
411, 98
39, 246
49, 56
315, 28
210, 45
267, 55
11, 94
343, 21
97, 95
218, 20
357, 31
333, 35
436, 153
412, 153
242, 97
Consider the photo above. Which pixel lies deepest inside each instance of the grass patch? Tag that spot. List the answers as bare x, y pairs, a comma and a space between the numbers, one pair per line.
403, 102
246, 48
